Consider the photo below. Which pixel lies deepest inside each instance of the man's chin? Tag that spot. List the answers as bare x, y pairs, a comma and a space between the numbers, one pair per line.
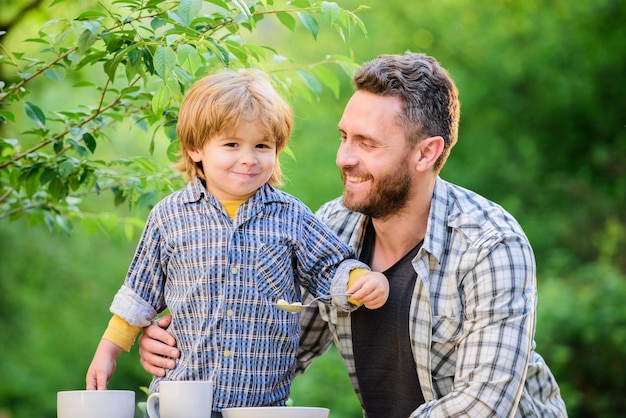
351, 203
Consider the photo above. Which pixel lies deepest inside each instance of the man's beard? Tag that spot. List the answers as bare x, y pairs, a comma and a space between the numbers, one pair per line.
388, 196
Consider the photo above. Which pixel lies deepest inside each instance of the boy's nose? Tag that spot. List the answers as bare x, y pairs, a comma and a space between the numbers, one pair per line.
247, 157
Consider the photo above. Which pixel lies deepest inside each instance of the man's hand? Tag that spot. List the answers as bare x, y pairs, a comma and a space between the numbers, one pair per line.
157, 348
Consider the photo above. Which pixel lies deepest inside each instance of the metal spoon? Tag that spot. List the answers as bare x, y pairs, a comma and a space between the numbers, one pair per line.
299, 307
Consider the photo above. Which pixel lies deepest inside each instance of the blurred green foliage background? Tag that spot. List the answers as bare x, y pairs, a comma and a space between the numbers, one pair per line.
543, 132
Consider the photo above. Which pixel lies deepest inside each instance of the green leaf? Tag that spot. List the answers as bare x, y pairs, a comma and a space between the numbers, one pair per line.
56, 73
331, 11
89, 141
302, 4
80, 150
91, 14
287, 20
188, 58
170, 129
47, 176
312, 83
133, 65
58, 146
187, 10
66, 169
160, 100
164, 61
5, 114
173, 151
219, 3
93, 27
63, 223
88, 37
219, 51
35, 113
243, 7
57, 189
146, 55
329, 79
310, 23
157, 22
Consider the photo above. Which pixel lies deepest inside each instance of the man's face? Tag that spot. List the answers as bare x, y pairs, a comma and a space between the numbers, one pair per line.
374, 157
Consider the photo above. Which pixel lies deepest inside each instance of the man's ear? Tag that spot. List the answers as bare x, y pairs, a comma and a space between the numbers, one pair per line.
427, 152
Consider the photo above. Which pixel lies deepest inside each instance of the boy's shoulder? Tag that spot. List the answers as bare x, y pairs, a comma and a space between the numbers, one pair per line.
188, 194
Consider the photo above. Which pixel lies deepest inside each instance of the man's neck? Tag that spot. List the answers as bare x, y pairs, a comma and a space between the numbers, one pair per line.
396, 235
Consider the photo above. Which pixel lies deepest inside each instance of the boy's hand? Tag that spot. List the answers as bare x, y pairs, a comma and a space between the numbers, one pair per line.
102, 366
372, 290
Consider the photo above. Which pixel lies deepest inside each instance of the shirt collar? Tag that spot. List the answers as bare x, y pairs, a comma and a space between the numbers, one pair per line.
196, 191
437, 221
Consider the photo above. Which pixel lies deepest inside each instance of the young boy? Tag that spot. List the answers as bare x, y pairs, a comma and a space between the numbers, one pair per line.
222, 251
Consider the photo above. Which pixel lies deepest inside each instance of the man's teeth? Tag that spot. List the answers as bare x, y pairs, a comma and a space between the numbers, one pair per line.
356, 179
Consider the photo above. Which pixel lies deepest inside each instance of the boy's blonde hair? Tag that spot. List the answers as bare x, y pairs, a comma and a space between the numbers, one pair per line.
219, 102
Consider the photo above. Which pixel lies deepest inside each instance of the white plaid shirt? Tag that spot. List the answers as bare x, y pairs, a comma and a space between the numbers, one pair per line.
219, 279
472, 316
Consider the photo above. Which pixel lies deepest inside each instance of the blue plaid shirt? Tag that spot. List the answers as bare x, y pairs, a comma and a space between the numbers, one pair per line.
472, 316
219, 278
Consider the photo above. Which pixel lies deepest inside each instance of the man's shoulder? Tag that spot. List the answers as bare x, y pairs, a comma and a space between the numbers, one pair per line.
340, 219
330, 207
477, 216
334, 210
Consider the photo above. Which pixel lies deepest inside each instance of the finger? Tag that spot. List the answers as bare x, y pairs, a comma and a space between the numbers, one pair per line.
165, 321
149, 345
91, 382
356, 286
101, 382
155, 332
151, 369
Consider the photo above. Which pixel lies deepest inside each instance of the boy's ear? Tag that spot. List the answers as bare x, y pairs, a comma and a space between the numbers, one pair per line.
195, 155
427, 151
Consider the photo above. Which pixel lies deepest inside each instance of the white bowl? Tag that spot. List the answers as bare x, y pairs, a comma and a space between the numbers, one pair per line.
276, 412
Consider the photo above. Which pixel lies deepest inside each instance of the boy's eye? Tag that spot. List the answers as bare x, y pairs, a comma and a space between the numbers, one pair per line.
230, 144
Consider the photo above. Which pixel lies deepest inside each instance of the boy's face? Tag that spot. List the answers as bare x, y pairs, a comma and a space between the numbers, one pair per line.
236, 164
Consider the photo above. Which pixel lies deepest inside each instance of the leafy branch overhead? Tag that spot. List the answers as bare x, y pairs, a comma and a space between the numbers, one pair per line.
130, 63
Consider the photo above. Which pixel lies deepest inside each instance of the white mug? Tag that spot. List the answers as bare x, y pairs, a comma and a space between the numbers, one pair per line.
181, 399
96, 404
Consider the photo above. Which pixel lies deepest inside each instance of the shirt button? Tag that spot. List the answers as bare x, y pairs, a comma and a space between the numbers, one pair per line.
229, 312
226, 353
234, 270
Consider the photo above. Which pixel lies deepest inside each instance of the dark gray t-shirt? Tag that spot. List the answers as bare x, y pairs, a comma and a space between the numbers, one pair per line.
382, 350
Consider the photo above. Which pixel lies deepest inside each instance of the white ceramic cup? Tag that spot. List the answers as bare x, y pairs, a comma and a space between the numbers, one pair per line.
96, 404
181, 399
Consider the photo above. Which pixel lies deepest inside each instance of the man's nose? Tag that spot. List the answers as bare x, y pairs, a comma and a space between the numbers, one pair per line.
346, 155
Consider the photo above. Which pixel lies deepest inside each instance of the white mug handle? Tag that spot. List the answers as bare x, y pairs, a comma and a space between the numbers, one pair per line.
150, 405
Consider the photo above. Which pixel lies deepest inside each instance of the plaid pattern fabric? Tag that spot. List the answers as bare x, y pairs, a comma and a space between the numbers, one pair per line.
219, 278
472, 319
